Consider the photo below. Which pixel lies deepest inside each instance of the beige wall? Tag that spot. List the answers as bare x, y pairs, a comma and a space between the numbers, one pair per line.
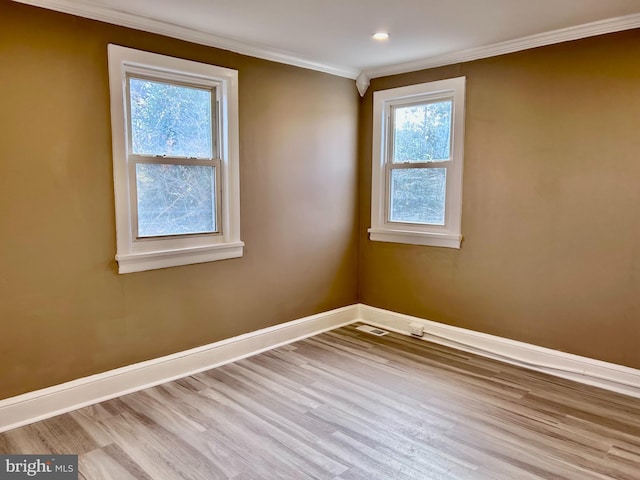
551, 251
64, 311
551, 210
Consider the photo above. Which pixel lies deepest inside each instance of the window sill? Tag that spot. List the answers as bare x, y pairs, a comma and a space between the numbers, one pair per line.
140, 262
430, 239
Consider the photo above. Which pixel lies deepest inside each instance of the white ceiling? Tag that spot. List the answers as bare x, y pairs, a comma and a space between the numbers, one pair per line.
335, 35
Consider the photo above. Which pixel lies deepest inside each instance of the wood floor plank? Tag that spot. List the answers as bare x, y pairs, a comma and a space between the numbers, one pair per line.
110, 462
347, 405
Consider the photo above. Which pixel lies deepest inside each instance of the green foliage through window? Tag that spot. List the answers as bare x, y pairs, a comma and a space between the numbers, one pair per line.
175, 199
422, 133
168, 119
418, 195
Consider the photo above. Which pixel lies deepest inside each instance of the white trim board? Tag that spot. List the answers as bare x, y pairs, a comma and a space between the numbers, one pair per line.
601, 27
585, 370
87, 9
48, 402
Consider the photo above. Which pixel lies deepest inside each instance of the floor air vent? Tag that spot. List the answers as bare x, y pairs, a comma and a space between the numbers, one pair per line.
372, 330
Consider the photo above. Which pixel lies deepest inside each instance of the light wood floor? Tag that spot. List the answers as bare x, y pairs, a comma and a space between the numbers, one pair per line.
349, 405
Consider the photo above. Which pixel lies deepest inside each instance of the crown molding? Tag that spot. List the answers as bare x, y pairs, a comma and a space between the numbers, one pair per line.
611, 25
87, 9
362, 83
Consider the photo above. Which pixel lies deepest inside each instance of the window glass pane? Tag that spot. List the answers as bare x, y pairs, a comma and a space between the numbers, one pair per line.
169, 119
175, 199
422, 133
418, 195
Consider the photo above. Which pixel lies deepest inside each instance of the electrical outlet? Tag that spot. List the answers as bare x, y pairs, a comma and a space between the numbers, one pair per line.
416, 330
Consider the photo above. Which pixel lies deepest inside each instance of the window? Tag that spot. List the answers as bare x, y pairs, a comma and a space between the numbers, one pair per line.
175, 160
418, 134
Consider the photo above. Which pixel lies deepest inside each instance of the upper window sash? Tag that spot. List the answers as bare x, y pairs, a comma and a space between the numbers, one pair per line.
392, 108
177, 80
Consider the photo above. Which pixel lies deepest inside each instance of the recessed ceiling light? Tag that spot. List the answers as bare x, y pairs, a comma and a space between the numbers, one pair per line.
380, 36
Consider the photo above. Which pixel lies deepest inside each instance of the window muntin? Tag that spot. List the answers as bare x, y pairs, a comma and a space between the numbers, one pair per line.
175, 160
417, 164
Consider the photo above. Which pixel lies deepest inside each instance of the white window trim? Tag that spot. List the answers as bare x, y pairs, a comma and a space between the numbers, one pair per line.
135, 255
448, 235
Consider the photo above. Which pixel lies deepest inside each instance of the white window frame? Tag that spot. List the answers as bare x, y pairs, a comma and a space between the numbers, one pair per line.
140, 254
384, 230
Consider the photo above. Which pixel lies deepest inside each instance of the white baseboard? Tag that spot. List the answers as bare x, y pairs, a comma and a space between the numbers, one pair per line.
601, 374
48, 402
